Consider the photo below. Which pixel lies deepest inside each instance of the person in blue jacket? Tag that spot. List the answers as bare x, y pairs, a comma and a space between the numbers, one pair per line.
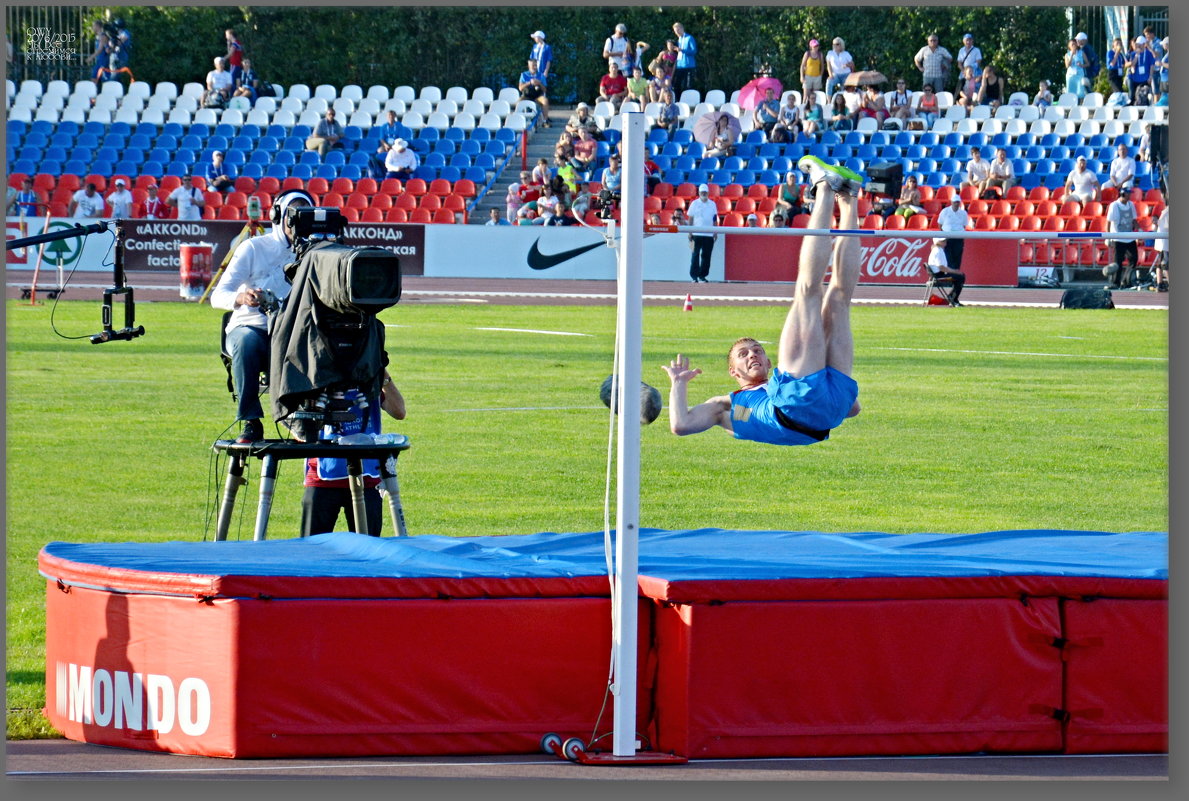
811, 390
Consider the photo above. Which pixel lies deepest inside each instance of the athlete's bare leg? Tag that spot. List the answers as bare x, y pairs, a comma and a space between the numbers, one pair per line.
802, 348
840, 345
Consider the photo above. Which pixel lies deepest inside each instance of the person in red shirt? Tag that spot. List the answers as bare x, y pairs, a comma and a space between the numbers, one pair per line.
235, 56
154, 207
613, 87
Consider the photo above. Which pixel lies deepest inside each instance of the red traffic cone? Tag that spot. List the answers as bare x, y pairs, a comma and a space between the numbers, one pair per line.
689, 303
934, 300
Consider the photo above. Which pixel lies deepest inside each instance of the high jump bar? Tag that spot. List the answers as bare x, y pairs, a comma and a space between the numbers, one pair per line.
927, 234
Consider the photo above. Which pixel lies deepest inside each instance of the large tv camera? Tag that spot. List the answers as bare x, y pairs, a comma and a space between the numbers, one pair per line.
326, 339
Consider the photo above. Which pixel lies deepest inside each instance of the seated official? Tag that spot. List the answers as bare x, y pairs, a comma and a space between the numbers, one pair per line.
400, 162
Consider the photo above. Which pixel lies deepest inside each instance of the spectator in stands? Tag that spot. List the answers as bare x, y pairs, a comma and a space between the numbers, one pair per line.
1161, 75
767, 112
568, 175
971, 84
900, 103
86, 203
638, 86
968, 56
1122, 172
839, 64
1116, 65
1001, 174
154, 207
616, 48
1093, 65
652, 173
542, 54
978, 170
1075, 69
235, 55
401, 161
532, 87
527, 190
562, 215
813, 67
1154, 43
724, 143
687, 51
678, 218
512, 202
909, 202
1082, 185
188, 200
702, 213
1143, 151
1044, 95
871, 104
219, 176
840, 117
389, 133
669, 116
564, 149
938, 264
613, 87
248, 83
1160, 267
26, 203
327, 134
541, 173
954, 218
788, 121
778, 219
1121, 217
218, 85
752, 221
992, 89
583, 118
119, 200
812, 115
612, 176
585, 153
789, 197
1143, 95
1139, 68
926, 106
660, 82
934, 62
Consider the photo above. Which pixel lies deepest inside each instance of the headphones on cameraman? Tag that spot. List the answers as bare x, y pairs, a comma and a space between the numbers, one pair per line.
278, 203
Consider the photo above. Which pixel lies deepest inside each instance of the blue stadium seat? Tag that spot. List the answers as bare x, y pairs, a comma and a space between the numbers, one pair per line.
925, 165
191, 142
444, 146
153, 168
794, 152
658, 136
721, 177
674, 176
55, 140
242, 143
286, 158
455, 134
276, 131
757, 164
470, 147
1028, 181
99, 166
279, 171
903, 139
125, 167
435, 160
1026, 139
682, 136
351, 171
327, 171
949, 166
820, 150
94, 128
358, 158
1059, 152
746, 150
744, 177
224, 129
935, 180
842, 152
732, 163
475, 174
34, 153
1001, 140
185, 154
481, 135
302, 132
145, 129
253, 171
831, 138
450, 173
200, 129
977, 139
929, 139
496, 148
26, 166
217, 142
953, 139
310, 157
51, 167
42, 127
425, 173
250, 130
261, 157
293, 144
685, 163
768, 177
173, 129
1043, 166
120, 128
697, 176
107, 153
878, 138
16, 128
236, 158
429, 134
142, 141
891, 152
1075, 140
1021, 166
336, 158
167, 141
177, 168
460, 160
612, 136
269, 143
662, 162
134, 154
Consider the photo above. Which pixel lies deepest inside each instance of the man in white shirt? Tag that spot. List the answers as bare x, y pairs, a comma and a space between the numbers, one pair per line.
1122, 170
120, 201
86, 203
188, 200
968, 56
400, 162
616, 51
978, 170
1120, 216
218, 82
954, 218
1001, 173
256, 266
1081, 185
934, 62
1160, 268
702, 212
839, 64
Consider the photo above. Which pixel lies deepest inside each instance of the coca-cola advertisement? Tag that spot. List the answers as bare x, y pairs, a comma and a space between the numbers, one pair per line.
986, 262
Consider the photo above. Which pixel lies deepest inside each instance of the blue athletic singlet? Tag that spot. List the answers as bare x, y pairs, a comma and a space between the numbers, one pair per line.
809, 406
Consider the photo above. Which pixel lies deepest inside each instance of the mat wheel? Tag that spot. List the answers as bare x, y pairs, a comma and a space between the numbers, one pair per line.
551, 743
573, 748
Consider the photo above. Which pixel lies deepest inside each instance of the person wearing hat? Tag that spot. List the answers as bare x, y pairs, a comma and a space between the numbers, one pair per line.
583, 118
219, 176
120, 201
1093, 65
616, 49
401, 161
541, 53
154, 207
1075, 69
532, 87
934, 62
968, 56
256, 266
839, 64
752, 221
702, 212
813, 67
954, 218
1139, 67
188, 200
810, 391
683, 68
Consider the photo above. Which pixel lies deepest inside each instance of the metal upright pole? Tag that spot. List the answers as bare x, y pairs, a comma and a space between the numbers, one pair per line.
627, 518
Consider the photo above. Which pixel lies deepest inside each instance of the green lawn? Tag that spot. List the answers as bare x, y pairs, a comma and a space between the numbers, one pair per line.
973, 420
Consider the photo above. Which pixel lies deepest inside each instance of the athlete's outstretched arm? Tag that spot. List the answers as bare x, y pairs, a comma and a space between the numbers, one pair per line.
684, 420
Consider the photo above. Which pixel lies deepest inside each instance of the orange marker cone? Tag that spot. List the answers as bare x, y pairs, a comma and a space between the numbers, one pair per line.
689, 303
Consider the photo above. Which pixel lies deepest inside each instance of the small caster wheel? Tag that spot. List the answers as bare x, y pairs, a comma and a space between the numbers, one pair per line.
573, 748
551, 744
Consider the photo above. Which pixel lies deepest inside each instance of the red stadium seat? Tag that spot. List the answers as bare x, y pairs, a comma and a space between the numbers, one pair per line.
58, 209
686, 190
44, 182
918, 222
145, 181
371, 215
666, 216
745, 205
391, 186
652, 203
236, 200
351, 214
662, 190
229, 213
100, 182
430, 202
1023, 208
1008, 222
723, 203
17, 179
1075, 224
1046, 208
984, 222
1031, 223
800, 221
420, 215
873, 222
1070, 208
168, 184
1016, 194
863, 208
416, 187
1054, 224
242, 184
944, 193
968, 193
1038, 193
333, 199
344, 186
395, 215
265, 201
317, 186
440, 187
732, 219
443, 216
291, 183
367, 186
895, 223
1057, 194
381, 201
977, 207
407, 201
758, 192
454, 203
732, 191
214, 200
765, 206
465, 187
926, 192
999, 208
673, 203
266, 184
1142, 210
358, 200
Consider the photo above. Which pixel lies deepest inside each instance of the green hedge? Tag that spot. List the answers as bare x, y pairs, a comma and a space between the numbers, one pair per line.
488, 46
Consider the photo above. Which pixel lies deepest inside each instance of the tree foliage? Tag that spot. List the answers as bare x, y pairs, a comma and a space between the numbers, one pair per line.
487, 46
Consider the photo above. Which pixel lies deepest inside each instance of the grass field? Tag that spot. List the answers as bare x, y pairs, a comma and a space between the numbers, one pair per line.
973, 420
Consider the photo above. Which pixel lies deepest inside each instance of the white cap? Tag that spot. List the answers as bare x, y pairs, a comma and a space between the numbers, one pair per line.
1140, 40
939, 242
621, 28
971, 37
1081, 37
538, 35
752, 217
703, 188
956, 198
581, 105
119, 182
400, 143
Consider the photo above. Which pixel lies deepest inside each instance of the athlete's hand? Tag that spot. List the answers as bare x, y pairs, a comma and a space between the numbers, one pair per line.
679, 370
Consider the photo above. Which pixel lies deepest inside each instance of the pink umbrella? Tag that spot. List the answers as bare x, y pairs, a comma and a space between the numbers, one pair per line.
752, 94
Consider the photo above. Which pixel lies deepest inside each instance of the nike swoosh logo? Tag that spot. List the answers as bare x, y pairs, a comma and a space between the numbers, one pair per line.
540, 261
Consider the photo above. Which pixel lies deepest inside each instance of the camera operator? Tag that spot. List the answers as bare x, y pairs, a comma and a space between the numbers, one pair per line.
327, 488
255, 272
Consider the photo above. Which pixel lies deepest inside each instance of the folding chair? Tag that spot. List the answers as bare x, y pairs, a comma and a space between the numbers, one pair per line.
226, 357
939, 285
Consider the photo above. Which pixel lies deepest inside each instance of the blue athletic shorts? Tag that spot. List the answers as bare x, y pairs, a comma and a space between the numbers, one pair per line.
820, 400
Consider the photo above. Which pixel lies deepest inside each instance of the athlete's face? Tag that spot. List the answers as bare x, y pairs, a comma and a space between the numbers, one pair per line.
749, 362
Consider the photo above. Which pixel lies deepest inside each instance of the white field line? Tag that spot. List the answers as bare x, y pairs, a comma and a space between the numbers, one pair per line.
1028, 353
537, 331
